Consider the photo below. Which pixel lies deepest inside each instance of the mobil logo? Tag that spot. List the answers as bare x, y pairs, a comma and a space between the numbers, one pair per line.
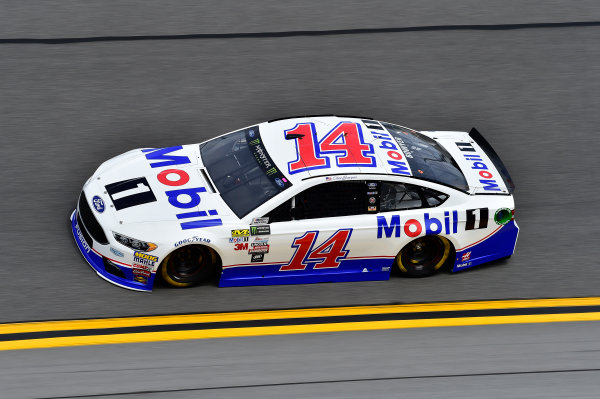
395, 226
395, 157
486, 177
184, 198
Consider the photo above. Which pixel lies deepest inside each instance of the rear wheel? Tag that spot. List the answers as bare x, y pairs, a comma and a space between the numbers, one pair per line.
189, 265
423, 256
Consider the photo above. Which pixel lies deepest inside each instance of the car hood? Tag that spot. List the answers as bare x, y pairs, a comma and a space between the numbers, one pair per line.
159, 185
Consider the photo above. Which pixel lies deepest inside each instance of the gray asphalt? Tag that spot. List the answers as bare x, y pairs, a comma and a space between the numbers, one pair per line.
64, 109
511, 361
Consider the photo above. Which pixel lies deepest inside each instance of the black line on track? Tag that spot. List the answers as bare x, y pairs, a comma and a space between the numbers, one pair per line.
416, 377
301, 321
297, 33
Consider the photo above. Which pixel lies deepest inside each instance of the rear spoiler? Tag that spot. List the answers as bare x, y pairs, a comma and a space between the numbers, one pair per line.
475, 135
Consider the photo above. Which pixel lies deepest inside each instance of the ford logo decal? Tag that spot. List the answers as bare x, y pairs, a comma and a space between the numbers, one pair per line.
98, 204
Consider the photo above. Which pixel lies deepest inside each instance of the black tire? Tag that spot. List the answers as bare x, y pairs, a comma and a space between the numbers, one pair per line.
423, 256
188, 265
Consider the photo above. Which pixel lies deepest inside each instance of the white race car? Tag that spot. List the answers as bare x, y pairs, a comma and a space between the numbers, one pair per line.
298, 200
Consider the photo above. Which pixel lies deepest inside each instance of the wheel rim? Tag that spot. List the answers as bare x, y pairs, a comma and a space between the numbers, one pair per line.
185, 265
425, 254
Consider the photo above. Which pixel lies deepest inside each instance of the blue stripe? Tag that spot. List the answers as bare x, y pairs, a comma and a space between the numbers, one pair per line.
191, 214
198, 224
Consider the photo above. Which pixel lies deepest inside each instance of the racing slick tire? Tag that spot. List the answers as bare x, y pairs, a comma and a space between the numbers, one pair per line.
188, 266
423, 256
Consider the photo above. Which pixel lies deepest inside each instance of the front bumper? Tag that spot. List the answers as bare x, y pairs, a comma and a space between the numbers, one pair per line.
97, 261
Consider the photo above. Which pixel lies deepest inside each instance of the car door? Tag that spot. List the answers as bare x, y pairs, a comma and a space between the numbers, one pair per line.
326, 233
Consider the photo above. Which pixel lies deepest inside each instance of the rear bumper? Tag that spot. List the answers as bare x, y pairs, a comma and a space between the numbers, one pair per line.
97, 262
500, 244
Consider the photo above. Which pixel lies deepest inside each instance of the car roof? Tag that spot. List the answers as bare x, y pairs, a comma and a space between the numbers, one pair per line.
283, 151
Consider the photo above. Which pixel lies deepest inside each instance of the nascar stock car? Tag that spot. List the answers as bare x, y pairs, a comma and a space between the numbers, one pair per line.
298, 200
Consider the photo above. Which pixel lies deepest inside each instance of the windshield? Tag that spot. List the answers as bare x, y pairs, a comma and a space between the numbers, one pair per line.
242, 170
427, 159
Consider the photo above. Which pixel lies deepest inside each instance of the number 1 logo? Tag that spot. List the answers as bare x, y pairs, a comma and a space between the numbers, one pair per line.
328, 255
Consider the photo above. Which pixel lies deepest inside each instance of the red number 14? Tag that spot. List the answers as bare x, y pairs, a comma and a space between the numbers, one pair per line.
327, 255
345, 140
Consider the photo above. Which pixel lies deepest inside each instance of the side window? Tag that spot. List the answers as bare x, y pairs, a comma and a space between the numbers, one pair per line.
283, 213
434, 198
398, 196
332, 199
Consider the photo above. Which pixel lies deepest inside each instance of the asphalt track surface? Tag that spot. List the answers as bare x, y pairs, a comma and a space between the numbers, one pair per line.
532, 90
497, 362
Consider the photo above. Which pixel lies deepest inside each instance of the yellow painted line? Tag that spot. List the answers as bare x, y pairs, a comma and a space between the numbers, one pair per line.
292, 329
15, 328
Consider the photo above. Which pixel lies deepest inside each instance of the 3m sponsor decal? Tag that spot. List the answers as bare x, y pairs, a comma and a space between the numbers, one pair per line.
235, 240
260, 230
487, 179
257, 258
392, 226
327, 255
241, 247
182, 198
258, 249
144, 259
192, 240
240, 233
477, 219
127, 193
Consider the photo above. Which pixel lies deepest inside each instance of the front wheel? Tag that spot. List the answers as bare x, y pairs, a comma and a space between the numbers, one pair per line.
189, 265
423, 256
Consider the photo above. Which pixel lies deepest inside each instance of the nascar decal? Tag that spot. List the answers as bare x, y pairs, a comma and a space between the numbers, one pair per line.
345, 141
327, 255
161, 157
394, 149
487, 178
392, 226
128, 193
